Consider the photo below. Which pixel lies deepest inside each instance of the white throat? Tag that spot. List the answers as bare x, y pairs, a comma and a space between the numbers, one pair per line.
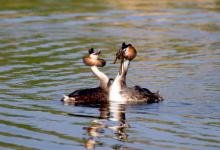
95, 57
119, 83
101, 76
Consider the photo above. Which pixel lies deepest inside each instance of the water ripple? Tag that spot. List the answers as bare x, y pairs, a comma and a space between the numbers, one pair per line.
41, 47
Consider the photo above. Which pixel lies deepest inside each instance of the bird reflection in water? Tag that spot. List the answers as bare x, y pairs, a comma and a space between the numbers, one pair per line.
112, 117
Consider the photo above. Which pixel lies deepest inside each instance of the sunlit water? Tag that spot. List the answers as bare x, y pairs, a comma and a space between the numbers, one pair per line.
41, 46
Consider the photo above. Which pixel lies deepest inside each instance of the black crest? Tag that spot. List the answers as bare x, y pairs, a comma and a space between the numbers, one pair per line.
91, 50
124, 45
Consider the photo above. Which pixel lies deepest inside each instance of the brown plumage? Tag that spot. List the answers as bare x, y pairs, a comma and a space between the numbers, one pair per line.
130, 52
91, 62
138, 94
127, 51
86, 96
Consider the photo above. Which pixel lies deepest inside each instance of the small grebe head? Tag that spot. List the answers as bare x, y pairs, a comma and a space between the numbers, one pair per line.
127, 51
93, 59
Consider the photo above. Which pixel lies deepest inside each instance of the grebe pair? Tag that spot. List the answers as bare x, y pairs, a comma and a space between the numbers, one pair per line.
109, 89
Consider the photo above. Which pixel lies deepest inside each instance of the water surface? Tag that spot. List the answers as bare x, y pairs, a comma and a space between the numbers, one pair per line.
41, 46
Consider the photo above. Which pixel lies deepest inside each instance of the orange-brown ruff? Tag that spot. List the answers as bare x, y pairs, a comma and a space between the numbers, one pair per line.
127, 51
88, 60
90, 95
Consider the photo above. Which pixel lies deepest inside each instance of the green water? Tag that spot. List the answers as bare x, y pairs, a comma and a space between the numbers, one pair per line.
41, 46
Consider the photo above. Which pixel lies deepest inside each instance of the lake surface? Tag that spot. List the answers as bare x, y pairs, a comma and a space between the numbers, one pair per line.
41, 46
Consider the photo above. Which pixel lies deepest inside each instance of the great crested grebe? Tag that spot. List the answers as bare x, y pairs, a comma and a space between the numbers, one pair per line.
119, 91
91, 95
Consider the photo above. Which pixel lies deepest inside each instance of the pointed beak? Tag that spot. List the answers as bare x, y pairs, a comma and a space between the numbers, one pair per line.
97, 53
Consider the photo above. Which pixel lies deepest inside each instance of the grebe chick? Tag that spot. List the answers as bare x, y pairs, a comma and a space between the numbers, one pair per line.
91, 95
119, 90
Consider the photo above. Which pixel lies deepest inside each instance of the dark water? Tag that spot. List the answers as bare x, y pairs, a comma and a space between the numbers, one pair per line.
41, 46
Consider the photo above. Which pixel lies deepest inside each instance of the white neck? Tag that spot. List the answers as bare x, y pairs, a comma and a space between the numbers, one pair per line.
119, 83
101, 76
95, 57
